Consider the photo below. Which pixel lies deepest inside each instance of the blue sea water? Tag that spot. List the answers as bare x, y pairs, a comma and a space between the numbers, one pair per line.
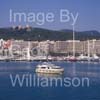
79, 70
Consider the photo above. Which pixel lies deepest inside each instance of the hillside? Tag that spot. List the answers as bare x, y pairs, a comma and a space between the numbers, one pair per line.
45, 34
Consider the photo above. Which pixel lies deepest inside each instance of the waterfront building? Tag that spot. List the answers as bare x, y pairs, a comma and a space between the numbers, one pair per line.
20, 47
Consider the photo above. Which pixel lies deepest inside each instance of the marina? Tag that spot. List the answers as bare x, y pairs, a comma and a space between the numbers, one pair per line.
50, 50
19, 50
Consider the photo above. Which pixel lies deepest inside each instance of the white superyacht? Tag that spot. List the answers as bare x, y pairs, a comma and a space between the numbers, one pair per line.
49, 68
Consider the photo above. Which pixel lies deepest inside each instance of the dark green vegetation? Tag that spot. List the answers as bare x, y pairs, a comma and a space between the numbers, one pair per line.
45, 34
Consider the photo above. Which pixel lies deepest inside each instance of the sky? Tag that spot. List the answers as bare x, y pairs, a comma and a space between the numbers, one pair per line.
88, 13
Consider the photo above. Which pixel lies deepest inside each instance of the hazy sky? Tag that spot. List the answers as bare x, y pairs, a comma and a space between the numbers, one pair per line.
88, 19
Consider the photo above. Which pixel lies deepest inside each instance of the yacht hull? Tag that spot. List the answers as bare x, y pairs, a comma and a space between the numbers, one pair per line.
50, 71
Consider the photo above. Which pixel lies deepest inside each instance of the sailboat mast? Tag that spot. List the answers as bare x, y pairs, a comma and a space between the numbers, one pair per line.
88, 50
28, 51
73, 41
94, 47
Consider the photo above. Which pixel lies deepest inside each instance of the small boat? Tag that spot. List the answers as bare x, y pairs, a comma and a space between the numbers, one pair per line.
49, 68
82, 58
72, 59
95, 58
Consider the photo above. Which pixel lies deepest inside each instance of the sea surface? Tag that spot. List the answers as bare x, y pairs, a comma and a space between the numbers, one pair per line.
70, 90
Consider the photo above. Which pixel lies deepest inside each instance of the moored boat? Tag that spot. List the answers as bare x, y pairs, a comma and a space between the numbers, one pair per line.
72, 59
82, 58
95, 58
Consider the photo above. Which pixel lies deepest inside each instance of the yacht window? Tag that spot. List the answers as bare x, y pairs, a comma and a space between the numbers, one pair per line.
43, 67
